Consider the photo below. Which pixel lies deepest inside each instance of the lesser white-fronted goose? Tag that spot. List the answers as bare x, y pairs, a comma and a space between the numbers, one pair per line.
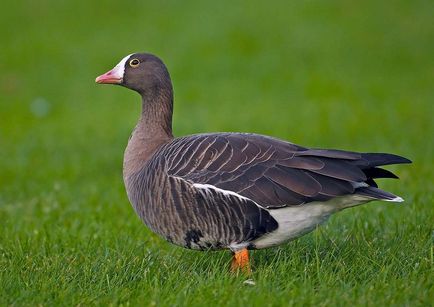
232, 191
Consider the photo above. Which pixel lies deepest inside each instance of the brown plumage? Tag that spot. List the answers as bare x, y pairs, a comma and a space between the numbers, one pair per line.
232, 190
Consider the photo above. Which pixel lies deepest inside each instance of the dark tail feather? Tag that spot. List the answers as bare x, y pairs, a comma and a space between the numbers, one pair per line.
376, 193
371, 182
377, 159
371, 160
376, 172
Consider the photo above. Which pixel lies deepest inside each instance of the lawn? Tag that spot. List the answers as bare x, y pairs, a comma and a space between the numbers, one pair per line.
355, 75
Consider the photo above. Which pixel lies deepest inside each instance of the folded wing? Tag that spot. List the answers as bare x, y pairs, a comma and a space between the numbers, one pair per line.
274, 173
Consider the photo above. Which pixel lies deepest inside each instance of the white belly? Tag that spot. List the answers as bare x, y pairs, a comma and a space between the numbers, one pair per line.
296, 221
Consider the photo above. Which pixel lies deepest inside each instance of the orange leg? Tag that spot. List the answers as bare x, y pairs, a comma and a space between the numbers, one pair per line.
240, 262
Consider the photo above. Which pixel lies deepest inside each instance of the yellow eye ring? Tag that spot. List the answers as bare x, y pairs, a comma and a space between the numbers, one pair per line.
134, 63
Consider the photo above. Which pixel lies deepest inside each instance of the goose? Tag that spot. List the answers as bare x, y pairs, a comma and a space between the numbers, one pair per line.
235, 191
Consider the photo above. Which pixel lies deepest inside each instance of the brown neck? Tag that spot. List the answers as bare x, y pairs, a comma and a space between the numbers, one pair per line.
152, 131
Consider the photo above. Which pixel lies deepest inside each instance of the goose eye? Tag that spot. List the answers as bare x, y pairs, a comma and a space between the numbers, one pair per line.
134, 63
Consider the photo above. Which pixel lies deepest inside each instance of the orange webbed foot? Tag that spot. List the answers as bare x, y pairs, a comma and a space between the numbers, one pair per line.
240, 262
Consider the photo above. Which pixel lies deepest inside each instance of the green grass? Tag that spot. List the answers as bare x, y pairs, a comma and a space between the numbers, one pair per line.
335, 74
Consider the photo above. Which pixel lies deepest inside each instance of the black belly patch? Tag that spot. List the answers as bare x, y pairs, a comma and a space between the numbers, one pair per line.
192, 236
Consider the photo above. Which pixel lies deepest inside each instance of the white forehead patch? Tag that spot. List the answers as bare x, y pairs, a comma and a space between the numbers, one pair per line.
119, 69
